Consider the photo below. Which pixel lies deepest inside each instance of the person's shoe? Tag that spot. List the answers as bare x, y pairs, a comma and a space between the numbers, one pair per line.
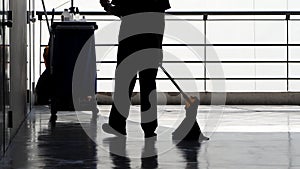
110, 130
52, 119
150, 135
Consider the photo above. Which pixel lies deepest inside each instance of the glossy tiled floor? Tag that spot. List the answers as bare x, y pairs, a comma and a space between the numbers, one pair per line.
242, 137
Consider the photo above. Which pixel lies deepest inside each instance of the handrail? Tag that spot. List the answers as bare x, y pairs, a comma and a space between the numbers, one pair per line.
204, 13
193, 13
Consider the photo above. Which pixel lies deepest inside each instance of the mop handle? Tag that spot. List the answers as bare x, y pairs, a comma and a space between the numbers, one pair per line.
185, 96
45, 13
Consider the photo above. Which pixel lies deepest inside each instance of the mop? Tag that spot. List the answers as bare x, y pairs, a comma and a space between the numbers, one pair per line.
189, 128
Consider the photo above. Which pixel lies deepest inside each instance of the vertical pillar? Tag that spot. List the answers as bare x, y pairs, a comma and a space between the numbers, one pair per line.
18, 62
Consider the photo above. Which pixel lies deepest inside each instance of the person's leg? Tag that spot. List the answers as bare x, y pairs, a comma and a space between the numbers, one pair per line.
148, 100
118, 114
147, 79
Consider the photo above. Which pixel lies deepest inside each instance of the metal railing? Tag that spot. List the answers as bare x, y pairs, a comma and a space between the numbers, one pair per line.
208, 16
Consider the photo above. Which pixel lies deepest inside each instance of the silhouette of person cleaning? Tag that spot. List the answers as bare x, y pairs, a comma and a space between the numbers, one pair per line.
139, 53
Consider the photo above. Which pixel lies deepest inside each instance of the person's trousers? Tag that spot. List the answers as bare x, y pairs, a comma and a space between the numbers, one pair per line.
133, 45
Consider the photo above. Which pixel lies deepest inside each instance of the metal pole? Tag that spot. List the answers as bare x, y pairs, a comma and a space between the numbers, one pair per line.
30, 57
40, 57
33, 54
4, 80
287, 52
185, 96
205, 52
45, 12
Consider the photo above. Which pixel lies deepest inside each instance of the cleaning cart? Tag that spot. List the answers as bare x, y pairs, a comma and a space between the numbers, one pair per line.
66, 43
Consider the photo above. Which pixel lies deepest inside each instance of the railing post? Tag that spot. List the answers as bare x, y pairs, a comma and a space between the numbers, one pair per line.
40, 58
287, 51
205, 52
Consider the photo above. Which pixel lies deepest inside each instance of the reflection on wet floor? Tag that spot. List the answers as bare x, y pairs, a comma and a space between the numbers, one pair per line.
67, 146
263, 137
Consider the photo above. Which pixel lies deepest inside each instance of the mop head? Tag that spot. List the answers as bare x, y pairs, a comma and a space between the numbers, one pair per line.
189, 128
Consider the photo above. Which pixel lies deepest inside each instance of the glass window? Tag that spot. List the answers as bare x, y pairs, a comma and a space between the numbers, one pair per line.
220, 30
294, 31
226, 32
294, 54
242, 53
262, 5
294, 70
248, 70
294, 85
249, 86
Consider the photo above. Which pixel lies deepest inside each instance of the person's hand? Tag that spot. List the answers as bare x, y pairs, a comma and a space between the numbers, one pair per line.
109, 8
113, 10
104, 3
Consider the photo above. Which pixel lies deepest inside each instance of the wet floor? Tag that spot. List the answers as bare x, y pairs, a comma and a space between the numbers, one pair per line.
248, 137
